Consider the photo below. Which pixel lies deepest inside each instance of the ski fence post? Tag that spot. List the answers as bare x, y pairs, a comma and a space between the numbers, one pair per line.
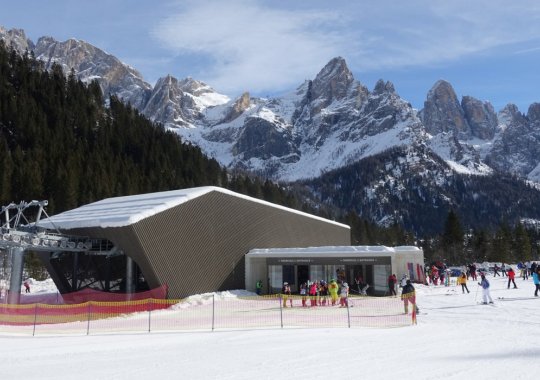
213, 310
88, 325
35, 318
348, 313
149, 314
280, 311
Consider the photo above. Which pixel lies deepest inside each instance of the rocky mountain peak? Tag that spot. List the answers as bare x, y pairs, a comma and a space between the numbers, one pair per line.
533, 114
240, 105
382, 87
333, 81
193, 86
442, 111
16, 38
481, 117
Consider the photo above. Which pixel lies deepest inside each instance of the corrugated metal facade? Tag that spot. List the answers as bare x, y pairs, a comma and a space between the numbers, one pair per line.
199, 246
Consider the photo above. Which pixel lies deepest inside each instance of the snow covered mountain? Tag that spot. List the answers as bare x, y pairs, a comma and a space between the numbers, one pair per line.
325, 124
324, 127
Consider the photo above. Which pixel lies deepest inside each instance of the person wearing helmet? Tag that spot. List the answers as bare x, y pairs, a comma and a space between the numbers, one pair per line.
408, 294
286, 294
333, 290
323, 293
344, 295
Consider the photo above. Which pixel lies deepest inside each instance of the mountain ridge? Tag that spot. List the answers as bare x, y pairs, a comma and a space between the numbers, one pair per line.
326, 124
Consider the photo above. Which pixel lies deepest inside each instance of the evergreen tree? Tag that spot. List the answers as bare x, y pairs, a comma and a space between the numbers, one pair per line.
452, 239
522, 245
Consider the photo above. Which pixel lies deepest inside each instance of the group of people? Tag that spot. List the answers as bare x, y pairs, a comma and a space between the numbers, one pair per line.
319, 293
506, 271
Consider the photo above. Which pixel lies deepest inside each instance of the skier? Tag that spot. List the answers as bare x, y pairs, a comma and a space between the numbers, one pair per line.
484, 283
496, 271
26, 287
303, 294
323, 293
408, 294
511, 275
392, 279
536, 281
333, 290
313, 293
462, 280
503, 269
286, 294
344, 295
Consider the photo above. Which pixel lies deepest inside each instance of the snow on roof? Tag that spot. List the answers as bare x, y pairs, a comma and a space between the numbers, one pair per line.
124, 211
333, 250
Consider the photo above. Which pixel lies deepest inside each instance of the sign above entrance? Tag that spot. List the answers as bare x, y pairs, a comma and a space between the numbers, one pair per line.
328, 260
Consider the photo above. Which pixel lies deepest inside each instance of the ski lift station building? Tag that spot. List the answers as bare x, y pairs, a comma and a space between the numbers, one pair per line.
203, 240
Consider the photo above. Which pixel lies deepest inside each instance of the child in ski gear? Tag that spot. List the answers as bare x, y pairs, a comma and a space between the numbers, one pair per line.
408, 294
303, 294
536, 281
511, 275
344, 294
313, 293
462, 280
403, 280
484, 283
323, 293
286, 294
26, 287
333, 290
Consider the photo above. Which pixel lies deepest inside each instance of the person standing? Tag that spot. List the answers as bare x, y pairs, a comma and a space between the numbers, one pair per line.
313, 290
286, 294
536, 280
503, 269
344, 295
462, 280
258, 287
26, 286
408, 294
484, 283
496, 271
303, 294
392, 279
511, 275
333, 290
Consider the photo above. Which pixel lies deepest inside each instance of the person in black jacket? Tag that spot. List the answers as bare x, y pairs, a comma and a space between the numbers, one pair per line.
408, 294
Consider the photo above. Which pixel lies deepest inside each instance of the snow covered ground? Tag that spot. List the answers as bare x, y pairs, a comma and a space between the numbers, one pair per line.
455, 338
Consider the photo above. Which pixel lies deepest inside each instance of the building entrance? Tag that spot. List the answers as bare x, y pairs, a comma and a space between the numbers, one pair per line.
302, 272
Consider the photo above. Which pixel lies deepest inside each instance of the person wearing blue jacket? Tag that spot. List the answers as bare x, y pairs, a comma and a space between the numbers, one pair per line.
536, 280
484, 283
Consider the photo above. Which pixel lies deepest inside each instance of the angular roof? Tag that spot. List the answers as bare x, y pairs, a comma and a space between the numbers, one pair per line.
127, 210
330, 251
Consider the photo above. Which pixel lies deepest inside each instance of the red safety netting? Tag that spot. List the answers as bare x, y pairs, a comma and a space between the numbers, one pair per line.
87, 295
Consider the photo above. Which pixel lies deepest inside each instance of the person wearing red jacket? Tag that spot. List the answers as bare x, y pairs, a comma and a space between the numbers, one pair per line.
511, 274
392, 280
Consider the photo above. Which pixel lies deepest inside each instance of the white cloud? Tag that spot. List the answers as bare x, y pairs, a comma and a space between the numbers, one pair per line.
256, 47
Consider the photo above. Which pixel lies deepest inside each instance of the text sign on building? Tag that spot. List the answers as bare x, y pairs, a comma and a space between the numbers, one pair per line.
328, 261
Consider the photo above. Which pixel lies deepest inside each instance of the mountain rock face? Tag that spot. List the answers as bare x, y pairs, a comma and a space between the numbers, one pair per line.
480, 116
326, 125
90, 63
443, 113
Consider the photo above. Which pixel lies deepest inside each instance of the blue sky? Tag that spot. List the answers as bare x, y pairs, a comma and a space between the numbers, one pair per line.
489, 49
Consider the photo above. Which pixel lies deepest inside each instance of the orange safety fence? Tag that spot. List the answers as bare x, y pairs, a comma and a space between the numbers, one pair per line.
207, 313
